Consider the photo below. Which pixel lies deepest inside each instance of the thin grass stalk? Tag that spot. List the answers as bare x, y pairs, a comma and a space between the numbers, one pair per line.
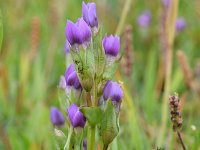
170, 32
123, 17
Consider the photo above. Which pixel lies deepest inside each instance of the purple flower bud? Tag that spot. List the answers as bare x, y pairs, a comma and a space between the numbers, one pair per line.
62, 83
113, 90
56, 117
71, 77
111, 45
89, 14
144, 19
75, 117
85, 30
79, 33
180, 24
166, 3
73, 33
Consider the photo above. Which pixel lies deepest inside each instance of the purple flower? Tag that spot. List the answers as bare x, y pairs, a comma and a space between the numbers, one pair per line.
73, 33
89, 14
166, 3
111, 45
85, 30
79, 33
56, 117
75, 117
71, 77
113, 90
144, 19
180, 24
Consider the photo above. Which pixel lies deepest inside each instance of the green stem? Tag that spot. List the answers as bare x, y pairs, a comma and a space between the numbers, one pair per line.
67, 145
91, 138
105, 147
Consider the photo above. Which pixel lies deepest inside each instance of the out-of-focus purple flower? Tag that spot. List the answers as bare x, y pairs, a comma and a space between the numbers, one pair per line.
111, 45
144, 19
75, 117
89, 14
166, 3
62, 83
180, 24
56, 117
113, 90
79, 33
71, 77
67, 47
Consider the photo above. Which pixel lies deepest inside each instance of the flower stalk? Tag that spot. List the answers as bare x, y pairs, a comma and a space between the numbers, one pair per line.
67, 145
91, 138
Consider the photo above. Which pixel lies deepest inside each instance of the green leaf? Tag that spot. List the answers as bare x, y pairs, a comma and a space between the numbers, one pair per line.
1, 30
110, 70
99, 55
109, 124
93, 114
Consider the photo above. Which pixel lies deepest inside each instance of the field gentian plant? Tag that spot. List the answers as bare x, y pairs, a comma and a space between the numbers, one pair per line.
87, 94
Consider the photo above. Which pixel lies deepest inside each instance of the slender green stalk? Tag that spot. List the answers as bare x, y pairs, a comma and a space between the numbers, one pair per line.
91, 138
123, 16
170, 30
91, 129
67, 145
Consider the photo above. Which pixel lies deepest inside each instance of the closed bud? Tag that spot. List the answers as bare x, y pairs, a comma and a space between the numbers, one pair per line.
78, 33
57, 118
113, 90
75, 117
71, 77
111, 45
89, 14
85, 32
73, 33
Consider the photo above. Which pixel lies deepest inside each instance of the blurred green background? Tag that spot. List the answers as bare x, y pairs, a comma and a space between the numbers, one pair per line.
32, 60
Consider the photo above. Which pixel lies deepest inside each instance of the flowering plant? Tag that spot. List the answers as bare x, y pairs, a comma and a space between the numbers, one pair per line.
91, 100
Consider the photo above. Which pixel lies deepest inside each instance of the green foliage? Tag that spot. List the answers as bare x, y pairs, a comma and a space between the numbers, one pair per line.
93, 115
28, 87
109, 127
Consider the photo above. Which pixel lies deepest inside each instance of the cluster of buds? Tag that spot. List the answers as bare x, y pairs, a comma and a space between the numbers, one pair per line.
176, 118
89, 92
